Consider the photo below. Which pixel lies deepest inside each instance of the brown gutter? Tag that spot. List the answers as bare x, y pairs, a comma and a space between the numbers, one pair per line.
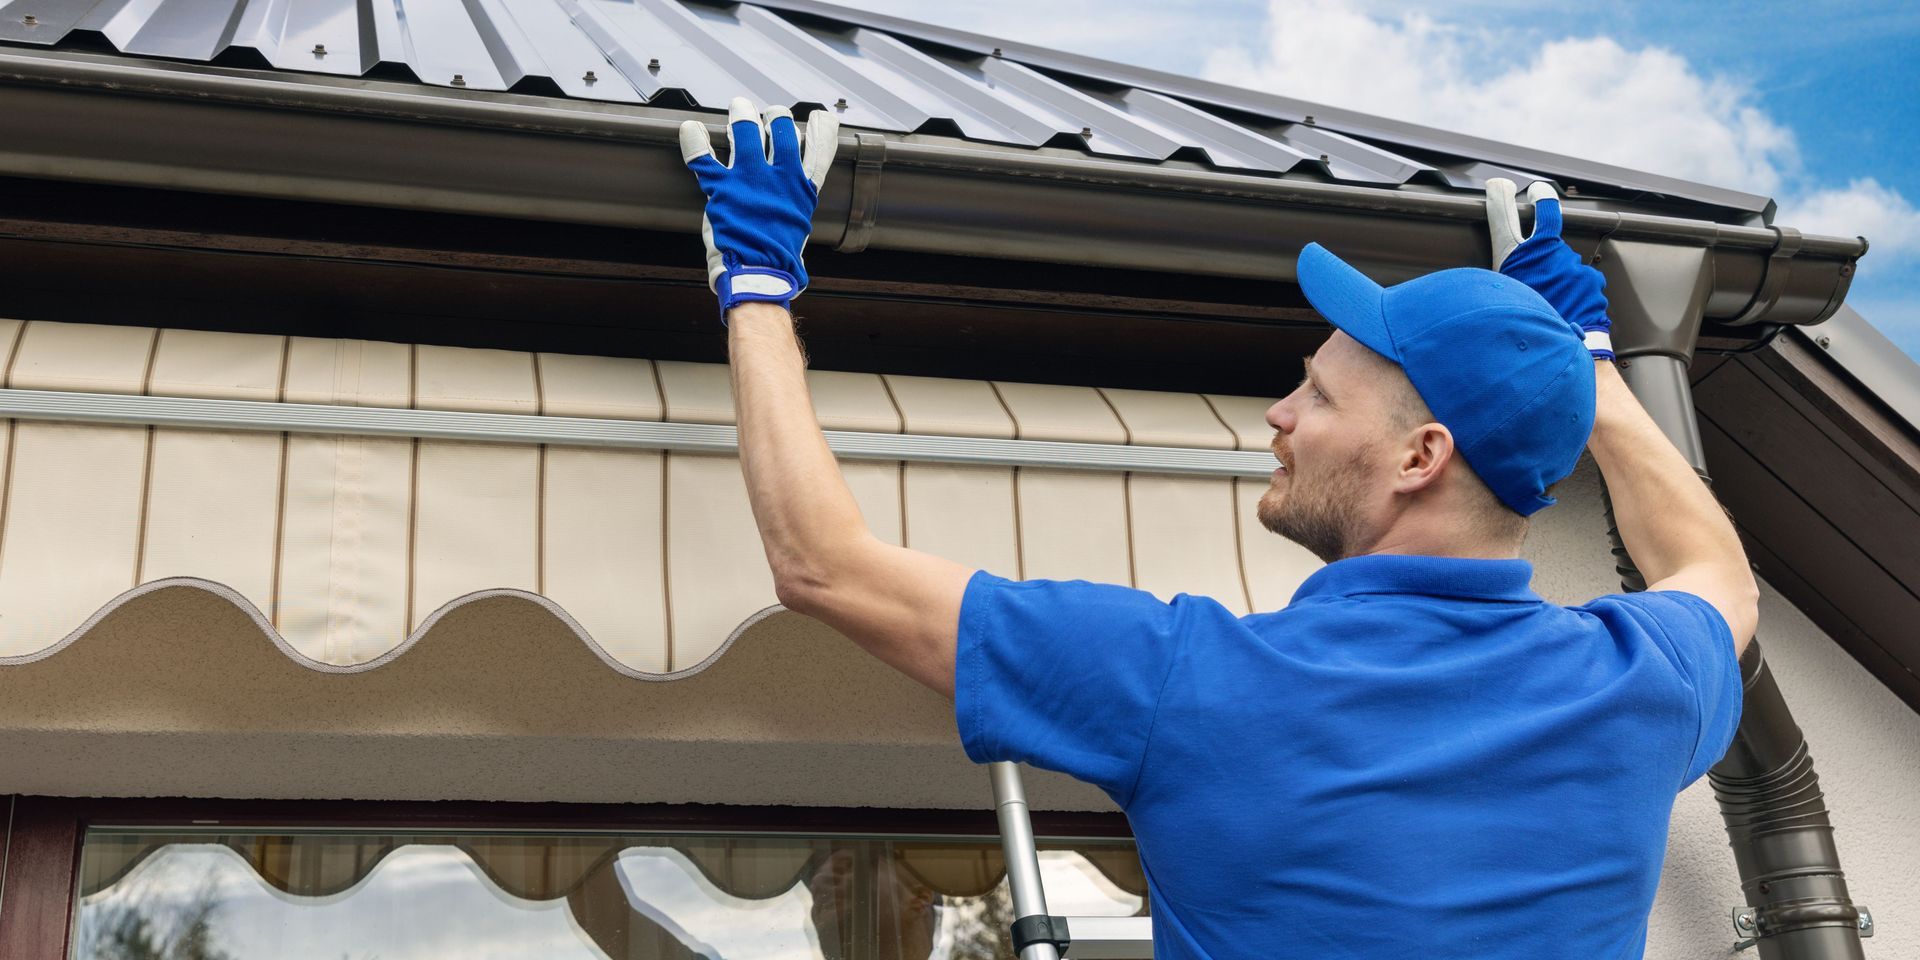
102, 119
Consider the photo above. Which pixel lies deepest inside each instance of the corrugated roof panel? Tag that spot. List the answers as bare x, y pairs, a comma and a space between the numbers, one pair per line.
893, 76
36, 22
1349, 159
609, 33
320, 37
552, 42
442, 40
166, 29
1474, 174
692, 58
867, 92
1105, 129
972, 106
1227, 144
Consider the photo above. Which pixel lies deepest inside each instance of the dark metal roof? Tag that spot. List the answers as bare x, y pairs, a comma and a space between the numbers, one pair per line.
876, 72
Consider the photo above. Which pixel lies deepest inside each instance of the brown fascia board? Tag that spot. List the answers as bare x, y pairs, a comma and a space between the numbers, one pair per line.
103, 119
1872, 362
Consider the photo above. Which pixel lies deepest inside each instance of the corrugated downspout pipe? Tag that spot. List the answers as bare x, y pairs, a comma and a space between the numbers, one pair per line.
1769, 795
1776, 818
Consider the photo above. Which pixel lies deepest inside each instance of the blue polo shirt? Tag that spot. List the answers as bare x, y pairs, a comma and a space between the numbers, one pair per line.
1417, 757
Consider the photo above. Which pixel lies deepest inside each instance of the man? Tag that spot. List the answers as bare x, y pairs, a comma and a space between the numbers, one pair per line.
1418, 756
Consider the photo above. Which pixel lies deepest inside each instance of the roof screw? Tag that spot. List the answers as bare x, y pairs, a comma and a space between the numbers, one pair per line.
654, 65
1310, 119
459, 81
319, 49
996, 51
1086, 132
1824, 342
1573, 189
589, 77
840, 104
30, 20
1325, 159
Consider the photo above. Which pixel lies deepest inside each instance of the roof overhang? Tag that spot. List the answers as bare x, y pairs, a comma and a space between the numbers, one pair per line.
112, 120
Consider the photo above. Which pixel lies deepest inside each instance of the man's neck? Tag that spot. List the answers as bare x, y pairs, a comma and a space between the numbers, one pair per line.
1417, 537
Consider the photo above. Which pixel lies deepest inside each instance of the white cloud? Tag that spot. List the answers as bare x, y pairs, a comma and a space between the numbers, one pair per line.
1864, 207
1590, 97
1486, 74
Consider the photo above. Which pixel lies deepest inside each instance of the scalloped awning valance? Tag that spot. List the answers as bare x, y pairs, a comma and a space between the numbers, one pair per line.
347, 546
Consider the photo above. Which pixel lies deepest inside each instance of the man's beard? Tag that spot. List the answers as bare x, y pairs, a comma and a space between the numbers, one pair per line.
1323, 516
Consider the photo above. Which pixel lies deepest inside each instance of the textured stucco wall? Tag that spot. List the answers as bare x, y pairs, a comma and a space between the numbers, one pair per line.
1864, 743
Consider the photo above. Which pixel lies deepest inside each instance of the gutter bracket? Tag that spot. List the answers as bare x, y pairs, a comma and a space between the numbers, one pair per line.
869, 155
1779, 267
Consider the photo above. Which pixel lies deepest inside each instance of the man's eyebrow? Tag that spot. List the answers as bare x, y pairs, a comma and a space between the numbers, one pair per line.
1307, 364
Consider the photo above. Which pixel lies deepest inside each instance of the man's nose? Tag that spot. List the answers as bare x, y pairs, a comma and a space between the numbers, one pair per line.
1280, 416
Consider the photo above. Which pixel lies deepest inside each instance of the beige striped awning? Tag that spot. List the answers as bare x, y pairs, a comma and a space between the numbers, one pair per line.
346, 546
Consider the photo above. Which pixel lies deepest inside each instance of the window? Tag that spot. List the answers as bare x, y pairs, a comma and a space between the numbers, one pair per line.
330, 894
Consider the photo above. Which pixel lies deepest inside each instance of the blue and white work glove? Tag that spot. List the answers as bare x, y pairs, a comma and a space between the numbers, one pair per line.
1544, 262
760, 206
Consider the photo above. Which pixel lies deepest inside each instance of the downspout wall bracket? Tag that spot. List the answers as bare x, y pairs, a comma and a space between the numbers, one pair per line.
1753, 923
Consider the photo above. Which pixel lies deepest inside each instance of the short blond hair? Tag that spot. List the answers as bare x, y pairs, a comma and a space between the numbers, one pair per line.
1490, 515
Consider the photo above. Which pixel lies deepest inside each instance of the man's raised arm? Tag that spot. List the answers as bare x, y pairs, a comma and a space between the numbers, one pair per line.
902, 605
1676, 531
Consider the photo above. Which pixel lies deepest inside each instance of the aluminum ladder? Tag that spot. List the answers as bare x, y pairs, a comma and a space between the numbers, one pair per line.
1037, 935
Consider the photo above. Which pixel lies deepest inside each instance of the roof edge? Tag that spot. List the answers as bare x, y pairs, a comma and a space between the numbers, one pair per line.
115, 120
1341, 120
1866, 354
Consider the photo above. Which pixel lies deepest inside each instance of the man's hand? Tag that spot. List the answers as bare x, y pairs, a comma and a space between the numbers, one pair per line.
1544, 262
760, 207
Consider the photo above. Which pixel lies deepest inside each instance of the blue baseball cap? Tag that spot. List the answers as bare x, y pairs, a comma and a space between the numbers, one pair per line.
1494, 362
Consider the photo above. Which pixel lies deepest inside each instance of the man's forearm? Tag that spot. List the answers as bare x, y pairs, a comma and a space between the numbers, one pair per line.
1668, 518
800, 500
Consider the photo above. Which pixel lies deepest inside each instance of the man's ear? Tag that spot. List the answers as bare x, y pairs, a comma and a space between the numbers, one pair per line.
1426, 452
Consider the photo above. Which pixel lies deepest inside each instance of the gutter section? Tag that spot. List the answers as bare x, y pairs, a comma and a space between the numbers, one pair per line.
198, 128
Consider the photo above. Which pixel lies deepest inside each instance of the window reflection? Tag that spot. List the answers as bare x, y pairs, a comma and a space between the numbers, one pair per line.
335, 896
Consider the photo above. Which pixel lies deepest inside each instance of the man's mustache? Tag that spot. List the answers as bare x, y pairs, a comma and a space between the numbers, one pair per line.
1283, 451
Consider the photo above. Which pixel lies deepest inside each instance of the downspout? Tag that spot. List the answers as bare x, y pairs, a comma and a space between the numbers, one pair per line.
1770, 798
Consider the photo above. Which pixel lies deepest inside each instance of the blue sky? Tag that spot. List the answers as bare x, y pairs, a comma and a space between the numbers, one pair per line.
1811, 104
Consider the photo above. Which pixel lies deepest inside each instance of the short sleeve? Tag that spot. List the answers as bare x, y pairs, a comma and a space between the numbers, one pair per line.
1697, 640
1065, 675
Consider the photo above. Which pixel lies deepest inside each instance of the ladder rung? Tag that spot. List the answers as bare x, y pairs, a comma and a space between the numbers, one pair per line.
1110, 938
